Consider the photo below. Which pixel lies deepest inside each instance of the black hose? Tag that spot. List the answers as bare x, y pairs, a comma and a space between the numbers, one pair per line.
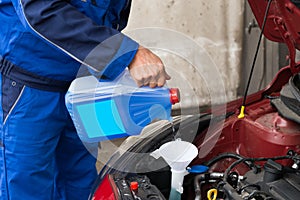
255, 194
226, 173
249, 185
224, 156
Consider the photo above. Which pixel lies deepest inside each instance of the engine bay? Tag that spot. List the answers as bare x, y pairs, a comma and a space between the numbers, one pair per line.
271, 181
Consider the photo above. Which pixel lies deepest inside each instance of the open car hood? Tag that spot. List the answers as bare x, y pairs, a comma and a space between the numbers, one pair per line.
282, 24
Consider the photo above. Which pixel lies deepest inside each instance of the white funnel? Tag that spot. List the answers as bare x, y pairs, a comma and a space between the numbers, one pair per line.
178, 154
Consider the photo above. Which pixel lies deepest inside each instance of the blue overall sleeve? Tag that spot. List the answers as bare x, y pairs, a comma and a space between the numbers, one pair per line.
102, 49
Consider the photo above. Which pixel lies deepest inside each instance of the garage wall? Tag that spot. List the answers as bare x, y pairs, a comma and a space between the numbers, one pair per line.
199, 41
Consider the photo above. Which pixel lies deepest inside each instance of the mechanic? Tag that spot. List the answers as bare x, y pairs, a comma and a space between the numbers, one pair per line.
43, 45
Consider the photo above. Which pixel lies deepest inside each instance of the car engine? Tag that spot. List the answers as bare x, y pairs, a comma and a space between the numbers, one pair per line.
271, 181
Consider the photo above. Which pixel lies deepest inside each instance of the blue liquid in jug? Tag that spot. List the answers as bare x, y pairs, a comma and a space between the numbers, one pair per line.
120, 116
145, 107
112, 110
101, 119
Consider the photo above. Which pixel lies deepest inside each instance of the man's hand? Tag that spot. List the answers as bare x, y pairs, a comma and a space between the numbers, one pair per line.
147, 69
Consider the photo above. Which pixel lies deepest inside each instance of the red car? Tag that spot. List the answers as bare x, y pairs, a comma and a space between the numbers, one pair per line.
254, 157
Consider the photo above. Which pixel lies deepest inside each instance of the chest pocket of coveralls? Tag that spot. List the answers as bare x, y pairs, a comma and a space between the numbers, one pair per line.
94, 9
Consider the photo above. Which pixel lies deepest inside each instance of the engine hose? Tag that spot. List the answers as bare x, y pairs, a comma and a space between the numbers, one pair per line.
255, 194
230, 192
224, 156
226, 173
205, 178
249, 186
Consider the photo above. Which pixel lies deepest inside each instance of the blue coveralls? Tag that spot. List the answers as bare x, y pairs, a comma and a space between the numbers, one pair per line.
43, 44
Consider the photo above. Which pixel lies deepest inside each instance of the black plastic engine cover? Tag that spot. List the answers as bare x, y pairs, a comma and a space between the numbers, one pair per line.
277, 181
287, 188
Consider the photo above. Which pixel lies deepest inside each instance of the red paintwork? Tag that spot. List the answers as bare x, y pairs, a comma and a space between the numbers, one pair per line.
282, 25
262, 133
280, 9
105, 191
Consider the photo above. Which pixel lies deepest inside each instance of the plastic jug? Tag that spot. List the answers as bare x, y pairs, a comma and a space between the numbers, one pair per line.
104, 110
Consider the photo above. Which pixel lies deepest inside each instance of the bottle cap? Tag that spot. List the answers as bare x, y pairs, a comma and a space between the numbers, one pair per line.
134, 185
174, 95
